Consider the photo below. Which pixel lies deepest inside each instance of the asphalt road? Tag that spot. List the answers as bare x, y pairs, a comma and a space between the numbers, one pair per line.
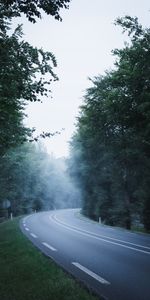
113, 262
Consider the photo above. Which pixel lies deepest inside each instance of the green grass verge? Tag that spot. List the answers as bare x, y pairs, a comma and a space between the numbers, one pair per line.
26, 274
136, 229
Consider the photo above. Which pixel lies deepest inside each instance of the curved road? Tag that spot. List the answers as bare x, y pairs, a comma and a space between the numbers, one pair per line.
113, 262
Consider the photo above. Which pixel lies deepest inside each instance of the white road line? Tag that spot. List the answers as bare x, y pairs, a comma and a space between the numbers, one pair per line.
48, 246
26, 228
101, 238
90, 273
27, 217
34, 235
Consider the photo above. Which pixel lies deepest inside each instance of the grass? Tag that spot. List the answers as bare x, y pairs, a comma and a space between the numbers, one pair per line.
26, 274
139, 229
136, 229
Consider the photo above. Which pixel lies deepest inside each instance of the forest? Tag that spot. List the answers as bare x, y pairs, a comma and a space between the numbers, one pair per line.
107, 173
30, 179
111, 146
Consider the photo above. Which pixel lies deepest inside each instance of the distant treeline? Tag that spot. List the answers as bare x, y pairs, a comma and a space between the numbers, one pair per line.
32, 180
111, 146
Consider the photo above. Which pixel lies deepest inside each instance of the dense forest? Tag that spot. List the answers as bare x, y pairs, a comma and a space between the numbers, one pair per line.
110, 149
30, 179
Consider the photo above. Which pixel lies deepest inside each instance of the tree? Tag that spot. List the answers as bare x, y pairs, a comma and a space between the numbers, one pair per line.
22, 79
32, 9
32, 180
25, 75
113, 132
22, 68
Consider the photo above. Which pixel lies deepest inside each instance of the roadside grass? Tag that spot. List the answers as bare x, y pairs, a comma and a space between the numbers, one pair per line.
139, 229
134, 228
26, 274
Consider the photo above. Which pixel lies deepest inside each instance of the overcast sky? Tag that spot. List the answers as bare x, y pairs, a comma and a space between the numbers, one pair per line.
82, 45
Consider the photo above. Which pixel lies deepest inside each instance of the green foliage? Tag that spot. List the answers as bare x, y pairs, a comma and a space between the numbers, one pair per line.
28, 177
32, 180
32, 9
131, 25
23, 78
113, 135
25, 71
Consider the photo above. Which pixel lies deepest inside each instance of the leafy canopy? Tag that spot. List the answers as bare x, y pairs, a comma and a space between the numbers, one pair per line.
25, 75
32, 9
111, 147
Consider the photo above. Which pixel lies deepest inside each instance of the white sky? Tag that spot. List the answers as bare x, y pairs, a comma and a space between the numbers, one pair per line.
82, 45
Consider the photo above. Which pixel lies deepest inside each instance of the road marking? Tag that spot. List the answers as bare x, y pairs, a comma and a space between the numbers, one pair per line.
27, 217
101, 238
34, 235
48, 246
26, 228
90, 273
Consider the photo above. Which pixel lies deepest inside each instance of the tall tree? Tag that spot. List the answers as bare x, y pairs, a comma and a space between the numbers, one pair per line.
25, 75
113, 133
22, 68
22, 79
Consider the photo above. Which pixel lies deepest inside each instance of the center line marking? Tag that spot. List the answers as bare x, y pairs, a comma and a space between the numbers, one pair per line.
48, 246
34, 235
90, 273
26, 228
101, 237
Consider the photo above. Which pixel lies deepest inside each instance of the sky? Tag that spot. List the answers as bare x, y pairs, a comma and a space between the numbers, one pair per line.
82, 44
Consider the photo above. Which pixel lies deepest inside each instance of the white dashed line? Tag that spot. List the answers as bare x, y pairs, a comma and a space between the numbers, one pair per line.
26, 228
33, 235
90, 273
48, 246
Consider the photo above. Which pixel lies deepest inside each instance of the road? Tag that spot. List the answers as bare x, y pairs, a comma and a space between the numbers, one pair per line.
115, 263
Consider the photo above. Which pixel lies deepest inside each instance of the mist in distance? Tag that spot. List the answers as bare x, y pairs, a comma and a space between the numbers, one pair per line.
36, 181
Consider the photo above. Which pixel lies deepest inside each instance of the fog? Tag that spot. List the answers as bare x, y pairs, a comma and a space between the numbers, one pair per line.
60, 190
32, 180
